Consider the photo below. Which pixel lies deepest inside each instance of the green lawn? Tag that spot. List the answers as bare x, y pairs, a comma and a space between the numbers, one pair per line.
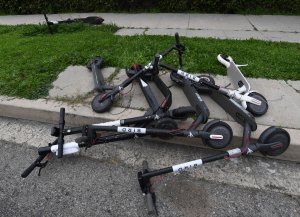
31, 58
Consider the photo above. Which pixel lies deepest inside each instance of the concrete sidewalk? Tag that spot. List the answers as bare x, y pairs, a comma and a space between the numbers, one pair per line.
223, 26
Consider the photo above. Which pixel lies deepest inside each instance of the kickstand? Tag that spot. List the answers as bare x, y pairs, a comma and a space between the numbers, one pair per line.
41, 166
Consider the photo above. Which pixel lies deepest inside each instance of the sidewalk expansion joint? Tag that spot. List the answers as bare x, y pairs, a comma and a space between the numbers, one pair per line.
254, 27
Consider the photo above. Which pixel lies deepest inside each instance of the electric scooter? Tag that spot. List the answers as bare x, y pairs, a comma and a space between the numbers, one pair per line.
93, 20
243, 86
252, 101
273, 141
103, 101
122, 132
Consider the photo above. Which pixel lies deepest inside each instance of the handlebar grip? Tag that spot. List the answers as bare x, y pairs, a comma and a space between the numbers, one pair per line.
177, 38
150, 204
156, 61
61, 132
32, 166
62, 116
180, 48
183, 111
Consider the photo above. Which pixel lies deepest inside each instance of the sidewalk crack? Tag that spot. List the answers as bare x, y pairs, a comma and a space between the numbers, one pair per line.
295, 89
254, 27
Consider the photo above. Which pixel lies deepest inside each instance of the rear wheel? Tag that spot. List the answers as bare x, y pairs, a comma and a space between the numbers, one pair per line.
257, 110
103, 106
219, 128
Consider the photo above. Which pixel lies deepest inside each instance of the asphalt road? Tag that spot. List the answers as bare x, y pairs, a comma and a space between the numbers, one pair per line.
82, 186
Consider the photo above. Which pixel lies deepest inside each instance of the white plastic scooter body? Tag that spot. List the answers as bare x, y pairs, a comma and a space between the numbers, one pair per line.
237, 78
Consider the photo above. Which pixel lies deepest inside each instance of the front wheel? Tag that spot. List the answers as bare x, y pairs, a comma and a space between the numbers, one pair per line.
103, 106
273, 135
207, 78
220, 128
257, 110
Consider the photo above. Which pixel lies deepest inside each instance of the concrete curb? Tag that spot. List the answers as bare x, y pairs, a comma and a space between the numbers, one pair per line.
43, 110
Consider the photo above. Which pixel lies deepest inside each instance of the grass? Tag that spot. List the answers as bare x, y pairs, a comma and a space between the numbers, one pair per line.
31, 58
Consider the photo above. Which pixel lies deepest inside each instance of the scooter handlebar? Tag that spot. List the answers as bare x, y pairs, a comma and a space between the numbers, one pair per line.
224, 59
33, 166
61, 132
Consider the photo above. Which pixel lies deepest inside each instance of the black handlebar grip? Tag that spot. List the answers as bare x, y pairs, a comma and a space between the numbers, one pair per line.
184, 111
180, 48
61, 132
32, 166
150, 204
177, 38
156, 61
225, 57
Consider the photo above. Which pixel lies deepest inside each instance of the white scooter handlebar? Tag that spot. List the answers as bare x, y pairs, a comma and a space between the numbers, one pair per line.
223, 61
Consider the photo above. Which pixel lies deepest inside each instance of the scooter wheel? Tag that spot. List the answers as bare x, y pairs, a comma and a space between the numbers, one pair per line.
274, 134
167, 124
103, 106
221, 128
207, 78
258, 110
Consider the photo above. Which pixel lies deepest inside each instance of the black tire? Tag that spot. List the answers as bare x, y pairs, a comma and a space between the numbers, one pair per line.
207, 78
101, 107
218, 127
258, 110
167, 124
275, 134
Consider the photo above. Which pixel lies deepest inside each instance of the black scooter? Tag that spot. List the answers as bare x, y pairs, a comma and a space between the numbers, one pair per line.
273, 141
93, 20
103, 101
90, 134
